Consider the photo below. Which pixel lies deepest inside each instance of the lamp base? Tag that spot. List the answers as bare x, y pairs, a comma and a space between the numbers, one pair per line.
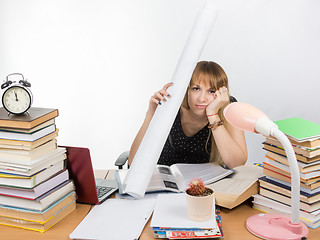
276, 227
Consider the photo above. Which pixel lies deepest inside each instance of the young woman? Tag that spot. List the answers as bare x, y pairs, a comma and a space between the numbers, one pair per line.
200, 133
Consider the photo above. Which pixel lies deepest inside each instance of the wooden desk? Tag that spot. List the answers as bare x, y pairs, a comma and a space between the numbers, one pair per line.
233, 223
60, 231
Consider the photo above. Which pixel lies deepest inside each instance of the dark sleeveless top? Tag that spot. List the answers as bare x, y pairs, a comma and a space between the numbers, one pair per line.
180, 148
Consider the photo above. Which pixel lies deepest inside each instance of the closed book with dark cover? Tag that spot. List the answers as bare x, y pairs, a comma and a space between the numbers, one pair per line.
34, 117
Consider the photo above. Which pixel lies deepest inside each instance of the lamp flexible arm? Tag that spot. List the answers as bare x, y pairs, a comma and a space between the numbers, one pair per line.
295, 176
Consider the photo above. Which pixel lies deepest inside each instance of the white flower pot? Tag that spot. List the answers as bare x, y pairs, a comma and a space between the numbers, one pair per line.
200, 208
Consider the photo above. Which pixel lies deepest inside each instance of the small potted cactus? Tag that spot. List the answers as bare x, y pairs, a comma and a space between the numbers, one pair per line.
200, 201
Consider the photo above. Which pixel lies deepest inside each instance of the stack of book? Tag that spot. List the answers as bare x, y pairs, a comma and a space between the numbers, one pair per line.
170, 224
275, 187
35, 189
190, 233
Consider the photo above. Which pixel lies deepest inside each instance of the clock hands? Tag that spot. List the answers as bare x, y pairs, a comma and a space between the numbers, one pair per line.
15, 94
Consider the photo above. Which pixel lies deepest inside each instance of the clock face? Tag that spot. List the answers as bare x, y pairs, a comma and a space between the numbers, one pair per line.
16, 100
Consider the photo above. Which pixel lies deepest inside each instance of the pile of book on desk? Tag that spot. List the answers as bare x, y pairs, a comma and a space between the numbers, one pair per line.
190, 233
275, 187
35, 189
170, 224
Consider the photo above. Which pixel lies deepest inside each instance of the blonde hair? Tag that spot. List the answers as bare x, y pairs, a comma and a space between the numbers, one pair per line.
214, 75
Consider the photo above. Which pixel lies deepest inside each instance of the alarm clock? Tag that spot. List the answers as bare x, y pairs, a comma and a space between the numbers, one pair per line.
17, 97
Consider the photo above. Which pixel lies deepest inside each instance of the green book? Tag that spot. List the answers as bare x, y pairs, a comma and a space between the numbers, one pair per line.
299, 129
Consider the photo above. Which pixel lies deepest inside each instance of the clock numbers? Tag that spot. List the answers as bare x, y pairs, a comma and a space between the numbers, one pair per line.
16, 100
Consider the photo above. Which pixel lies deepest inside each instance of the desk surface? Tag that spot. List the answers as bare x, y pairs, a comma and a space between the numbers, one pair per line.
233, 223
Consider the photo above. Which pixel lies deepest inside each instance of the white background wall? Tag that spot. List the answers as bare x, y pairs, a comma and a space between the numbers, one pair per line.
99, 61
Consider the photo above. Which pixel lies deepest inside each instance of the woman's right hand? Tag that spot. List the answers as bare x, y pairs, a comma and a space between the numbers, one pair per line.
158, 98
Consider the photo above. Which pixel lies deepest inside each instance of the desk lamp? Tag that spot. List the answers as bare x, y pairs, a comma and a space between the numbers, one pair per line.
268, 225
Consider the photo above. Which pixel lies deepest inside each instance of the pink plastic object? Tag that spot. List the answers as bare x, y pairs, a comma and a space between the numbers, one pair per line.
270, 226
276, 227
243, 115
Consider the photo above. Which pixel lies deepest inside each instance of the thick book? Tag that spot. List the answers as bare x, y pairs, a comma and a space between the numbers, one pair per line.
37, 216
7, 154
286, 168
281, 151
31, 130
286, 178
176, 177
303, 178
308, 207
39, 226
288, 183
303, 145
37, 191
303, 167
299, 129
236, 188
33, 162
28, 137
21, 181
29, 170
32, 118
27, 145
41, 202
313, 143
284, 188
265, 204
304, 151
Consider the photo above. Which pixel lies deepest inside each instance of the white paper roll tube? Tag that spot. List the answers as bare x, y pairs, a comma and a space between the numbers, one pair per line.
155, 137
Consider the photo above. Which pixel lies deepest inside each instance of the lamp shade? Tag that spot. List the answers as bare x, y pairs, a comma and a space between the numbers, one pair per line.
243, 115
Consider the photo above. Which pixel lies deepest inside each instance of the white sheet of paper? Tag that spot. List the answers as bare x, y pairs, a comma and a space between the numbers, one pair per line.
171, 211
116, 219
149, 151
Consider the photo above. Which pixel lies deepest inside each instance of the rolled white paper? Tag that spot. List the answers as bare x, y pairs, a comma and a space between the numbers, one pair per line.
155, 137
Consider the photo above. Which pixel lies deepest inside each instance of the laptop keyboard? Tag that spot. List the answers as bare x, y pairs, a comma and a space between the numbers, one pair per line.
101, 191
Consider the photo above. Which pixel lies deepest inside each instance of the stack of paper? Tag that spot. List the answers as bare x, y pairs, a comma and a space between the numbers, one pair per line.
116, 219
170, 220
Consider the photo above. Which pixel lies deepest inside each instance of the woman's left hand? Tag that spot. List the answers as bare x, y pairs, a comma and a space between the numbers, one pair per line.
221, 97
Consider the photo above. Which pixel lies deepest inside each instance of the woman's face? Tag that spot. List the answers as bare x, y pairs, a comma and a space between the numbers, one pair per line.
200, 95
